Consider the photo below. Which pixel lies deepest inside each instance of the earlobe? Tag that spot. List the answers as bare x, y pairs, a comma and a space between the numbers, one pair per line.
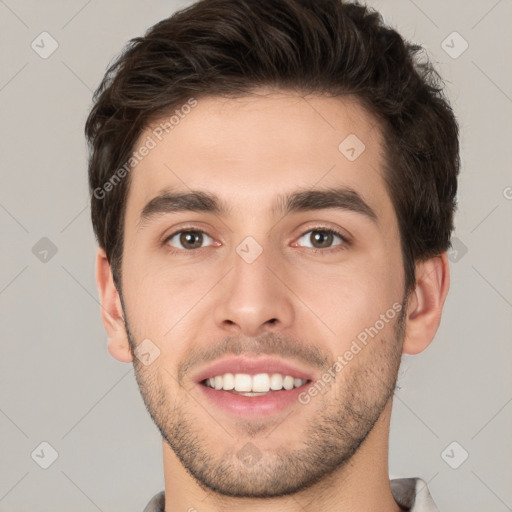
120, 350
111, 310
426, 303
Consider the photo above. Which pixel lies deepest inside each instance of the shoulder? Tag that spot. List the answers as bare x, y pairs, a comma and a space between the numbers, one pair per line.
413, 494
156, 504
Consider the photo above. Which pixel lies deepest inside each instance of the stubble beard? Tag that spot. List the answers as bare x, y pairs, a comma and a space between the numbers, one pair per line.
344, 415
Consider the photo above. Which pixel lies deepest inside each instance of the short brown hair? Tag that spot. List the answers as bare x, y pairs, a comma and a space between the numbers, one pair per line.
329, 47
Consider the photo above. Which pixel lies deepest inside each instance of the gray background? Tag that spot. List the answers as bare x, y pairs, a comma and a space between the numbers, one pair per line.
59, 384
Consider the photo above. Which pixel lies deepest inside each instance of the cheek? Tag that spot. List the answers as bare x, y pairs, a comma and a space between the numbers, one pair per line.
150, 285
159, 299
351, 296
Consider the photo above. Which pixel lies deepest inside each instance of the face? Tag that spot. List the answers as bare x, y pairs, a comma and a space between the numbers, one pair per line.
262, 273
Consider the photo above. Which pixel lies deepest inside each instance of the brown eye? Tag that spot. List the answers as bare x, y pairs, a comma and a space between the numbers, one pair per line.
187, 240
321, 238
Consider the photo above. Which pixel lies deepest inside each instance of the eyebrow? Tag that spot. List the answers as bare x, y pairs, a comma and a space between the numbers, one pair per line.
340, 198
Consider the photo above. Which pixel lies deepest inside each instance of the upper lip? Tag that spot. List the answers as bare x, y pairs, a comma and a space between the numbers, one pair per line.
251, 366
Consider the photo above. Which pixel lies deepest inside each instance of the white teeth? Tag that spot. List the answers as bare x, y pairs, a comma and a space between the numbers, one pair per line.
243, 382
261, 382
253, 385
228, 381
288, 382
276, 382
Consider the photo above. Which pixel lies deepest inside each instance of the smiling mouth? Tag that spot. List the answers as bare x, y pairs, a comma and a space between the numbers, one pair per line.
259, 384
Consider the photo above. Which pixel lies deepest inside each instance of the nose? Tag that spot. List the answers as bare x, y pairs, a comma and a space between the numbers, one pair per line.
254, 297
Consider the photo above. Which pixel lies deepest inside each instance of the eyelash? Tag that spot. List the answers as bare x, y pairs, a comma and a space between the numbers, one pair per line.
329, 231
341, 247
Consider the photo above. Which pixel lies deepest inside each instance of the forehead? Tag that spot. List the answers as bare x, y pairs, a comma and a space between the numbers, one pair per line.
247, 150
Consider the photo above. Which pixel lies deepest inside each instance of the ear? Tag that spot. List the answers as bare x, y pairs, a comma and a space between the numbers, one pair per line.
426, 303
112, 311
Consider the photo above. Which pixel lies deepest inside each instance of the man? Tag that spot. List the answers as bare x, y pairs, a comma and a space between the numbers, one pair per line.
273, 187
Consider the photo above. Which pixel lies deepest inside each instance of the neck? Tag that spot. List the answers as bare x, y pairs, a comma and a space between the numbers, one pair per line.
362, 484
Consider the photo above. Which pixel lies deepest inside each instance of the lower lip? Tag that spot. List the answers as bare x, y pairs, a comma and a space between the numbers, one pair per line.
252, 406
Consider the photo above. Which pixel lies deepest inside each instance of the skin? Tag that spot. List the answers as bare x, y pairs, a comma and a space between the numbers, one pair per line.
333, 451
